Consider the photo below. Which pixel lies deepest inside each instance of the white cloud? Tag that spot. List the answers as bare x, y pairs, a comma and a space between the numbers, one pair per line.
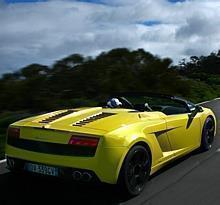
46, 31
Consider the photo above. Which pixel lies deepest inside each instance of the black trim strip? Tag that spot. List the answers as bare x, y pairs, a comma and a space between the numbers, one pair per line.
52, 148
158, 133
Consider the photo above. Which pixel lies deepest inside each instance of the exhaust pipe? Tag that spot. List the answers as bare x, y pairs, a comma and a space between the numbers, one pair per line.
77, 175
86, 176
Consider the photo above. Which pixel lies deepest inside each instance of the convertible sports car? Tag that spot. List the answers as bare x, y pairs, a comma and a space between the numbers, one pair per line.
122, 144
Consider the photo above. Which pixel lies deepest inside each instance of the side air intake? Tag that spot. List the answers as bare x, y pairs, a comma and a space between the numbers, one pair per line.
92, 118
55, 117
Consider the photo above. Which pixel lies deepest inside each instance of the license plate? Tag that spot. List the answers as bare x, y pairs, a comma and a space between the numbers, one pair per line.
41, 169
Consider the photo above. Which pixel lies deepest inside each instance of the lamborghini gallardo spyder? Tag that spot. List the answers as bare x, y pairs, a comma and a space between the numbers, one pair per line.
122, 141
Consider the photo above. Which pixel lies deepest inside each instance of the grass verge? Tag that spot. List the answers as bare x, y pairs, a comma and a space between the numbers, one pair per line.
6, 119
2, 146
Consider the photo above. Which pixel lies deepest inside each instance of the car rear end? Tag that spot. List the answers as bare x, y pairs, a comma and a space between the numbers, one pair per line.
74, 155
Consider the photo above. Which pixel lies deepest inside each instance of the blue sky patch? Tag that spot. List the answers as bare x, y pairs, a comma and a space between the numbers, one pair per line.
93, 1
150, 23
23, 1
175, 1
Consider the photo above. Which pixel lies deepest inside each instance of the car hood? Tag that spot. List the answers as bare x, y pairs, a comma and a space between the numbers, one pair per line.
88, 120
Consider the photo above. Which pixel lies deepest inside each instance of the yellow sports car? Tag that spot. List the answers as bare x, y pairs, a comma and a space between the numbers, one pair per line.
122, 142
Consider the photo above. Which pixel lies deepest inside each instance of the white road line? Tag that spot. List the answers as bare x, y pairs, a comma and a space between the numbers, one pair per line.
204, 102
2, 161
218, 150
207, 101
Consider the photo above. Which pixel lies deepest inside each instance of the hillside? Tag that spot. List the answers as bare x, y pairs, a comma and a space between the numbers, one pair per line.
77, 80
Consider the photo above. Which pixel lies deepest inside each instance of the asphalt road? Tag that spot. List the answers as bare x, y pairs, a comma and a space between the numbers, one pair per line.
192, 180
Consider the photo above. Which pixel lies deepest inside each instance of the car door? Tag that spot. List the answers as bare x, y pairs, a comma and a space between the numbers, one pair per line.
184, 131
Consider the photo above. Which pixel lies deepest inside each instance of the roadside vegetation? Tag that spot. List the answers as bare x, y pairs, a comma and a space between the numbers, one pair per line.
7, 118
83, 81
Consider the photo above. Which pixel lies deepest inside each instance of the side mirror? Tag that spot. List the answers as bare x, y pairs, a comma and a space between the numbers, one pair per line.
193, 114
198, 109
195, 111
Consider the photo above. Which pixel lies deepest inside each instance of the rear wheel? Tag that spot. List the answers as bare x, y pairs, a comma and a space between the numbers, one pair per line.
208, 134
135, 171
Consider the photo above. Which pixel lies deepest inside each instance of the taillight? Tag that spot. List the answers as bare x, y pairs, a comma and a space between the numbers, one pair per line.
84, 141
13, 132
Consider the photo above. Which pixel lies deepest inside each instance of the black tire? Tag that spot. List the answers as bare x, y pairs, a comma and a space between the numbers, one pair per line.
208, 133
135, 171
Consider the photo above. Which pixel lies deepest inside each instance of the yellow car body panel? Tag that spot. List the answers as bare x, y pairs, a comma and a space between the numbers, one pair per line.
168, 137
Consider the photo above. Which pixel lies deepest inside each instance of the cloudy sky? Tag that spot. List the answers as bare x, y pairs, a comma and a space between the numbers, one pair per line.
42, 31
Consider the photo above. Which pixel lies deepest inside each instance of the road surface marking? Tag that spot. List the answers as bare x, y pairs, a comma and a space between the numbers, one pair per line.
203, 102
208, 101
218, 150
3, 161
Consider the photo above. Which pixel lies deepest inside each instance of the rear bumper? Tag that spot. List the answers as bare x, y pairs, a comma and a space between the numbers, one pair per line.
79, 175
104, 166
